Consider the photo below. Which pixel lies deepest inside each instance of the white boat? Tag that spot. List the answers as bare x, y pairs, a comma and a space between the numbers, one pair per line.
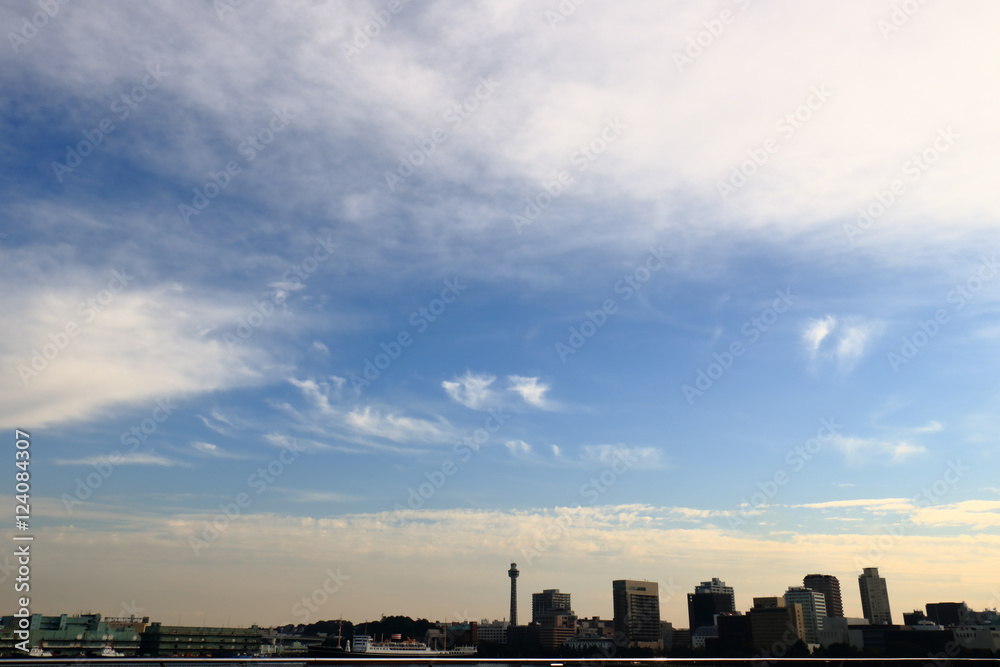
110, 652
403, 648
37, 652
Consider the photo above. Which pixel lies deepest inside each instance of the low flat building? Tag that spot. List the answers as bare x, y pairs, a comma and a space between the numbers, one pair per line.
162, 641
493, 632
73, 636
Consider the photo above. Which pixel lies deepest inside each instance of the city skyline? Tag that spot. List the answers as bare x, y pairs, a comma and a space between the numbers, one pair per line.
542, 602
328, 309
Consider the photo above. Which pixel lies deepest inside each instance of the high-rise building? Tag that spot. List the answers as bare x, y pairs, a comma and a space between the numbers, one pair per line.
829, 586
551, 611
874, 597
637, 612
549, 603
716, 585
813, 610
773, 623
709, 599
513, 574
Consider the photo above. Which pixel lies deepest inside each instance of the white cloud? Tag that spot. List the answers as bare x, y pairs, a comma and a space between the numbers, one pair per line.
128, 348
637, 457
320, 347
218, 422
874, 504
530, 390
303, 496
844, 340
471, 390
816, 331
127, 458
931, 427
854, 341
397, 428
519, 448
975, 514
214, 451
860, 451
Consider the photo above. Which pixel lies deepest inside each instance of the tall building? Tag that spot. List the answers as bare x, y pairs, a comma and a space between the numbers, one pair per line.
549, 603
829, 586
874, 597
813, 610
772, 622
637, 612
709, 599
716, 585
551, 611
513, 574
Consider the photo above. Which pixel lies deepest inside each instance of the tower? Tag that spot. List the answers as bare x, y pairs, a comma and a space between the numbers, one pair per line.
513, 573
874, 597
637, 612
829, 586
813, 610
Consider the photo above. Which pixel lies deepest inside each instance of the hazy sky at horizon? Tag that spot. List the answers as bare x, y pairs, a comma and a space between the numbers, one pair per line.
669, 291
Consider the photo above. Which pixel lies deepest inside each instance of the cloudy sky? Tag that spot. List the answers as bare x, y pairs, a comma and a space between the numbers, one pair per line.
359, 302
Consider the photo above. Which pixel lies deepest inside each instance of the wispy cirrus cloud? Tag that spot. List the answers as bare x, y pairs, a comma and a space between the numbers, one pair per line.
638, 457
841, 340
398, 428
815, 331
472, 390
128, 458
304, 496
861, 451
930, 427
531, 390
519, 449
214, 451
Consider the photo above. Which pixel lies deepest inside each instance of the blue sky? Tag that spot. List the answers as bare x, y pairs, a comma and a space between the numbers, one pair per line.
665, 292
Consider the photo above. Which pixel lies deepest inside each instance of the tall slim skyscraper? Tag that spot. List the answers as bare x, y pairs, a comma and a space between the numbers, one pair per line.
813, 610
874, 597
513, 574
829, 586
637, 612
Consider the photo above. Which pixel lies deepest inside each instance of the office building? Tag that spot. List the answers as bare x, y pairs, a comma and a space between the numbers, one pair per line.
734, 630
874, 597
829, 586
948, 614
637, 612
813, 610
595, 626
709, 599
551, 611
493, 632
549, 603
773, 623
178, 640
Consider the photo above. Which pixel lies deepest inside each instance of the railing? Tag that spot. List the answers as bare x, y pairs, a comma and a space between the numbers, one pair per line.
347, 661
